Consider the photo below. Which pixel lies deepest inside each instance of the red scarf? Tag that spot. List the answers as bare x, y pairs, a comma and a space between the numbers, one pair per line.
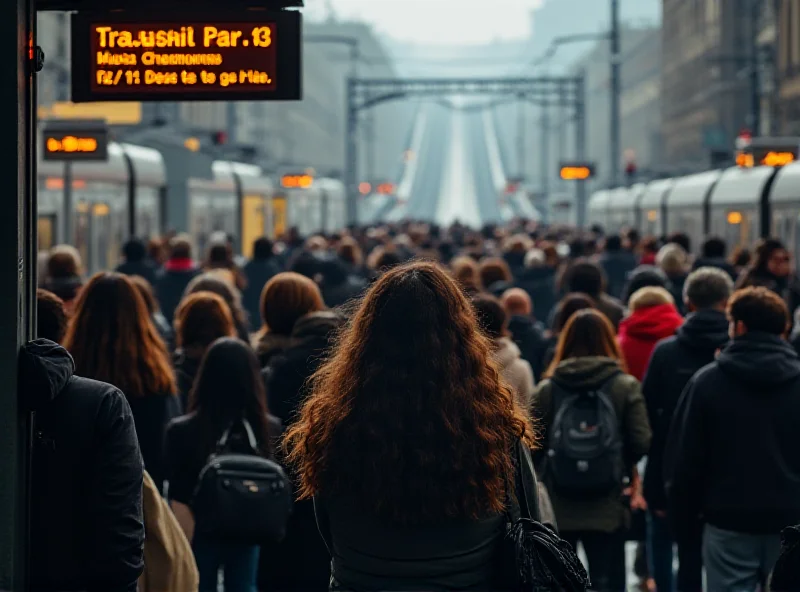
180, 264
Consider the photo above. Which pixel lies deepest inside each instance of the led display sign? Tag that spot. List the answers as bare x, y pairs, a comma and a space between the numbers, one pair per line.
75, 140
297, 181
576, 171
773, 152
255, 56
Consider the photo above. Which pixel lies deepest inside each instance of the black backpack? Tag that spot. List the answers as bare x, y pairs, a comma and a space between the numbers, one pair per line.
584, 459
242, 497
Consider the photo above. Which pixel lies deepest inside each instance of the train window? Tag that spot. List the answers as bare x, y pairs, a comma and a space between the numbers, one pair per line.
102, 243
45, 229
82, 224
253, 223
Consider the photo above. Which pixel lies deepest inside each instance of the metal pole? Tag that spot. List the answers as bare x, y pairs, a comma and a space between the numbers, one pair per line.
580, 146
351, 153
562, 126
69, 207
616, 141
755, 79
521, 157
545, 160
17, 276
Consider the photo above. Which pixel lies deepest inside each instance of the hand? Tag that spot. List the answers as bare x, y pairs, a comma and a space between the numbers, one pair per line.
638, 502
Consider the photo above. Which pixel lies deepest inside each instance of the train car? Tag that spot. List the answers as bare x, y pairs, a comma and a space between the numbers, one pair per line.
598, 209
739, 205
320, 207
623, 207
687, 205
89, 204
652, 207
784, 207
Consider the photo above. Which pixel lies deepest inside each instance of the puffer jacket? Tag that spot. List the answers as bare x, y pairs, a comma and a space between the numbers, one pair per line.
516, 371
607, 513
642, 330
87, 527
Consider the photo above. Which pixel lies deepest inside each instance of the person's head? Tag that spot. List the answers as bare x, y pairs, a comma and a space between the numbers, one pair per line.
51, 318
388, 259
262, 249
649, 246
713, 248
648, 297
146, 292
221, 284
156, 251
613, 243
740, 258
568, 306
134, 250
672, 259
632, 239
201, 319
494, 270
180, 247
682, 240
64, 262
491, 315
535, 259
411, 386
757, 309
229, 387
517, 302
643, 276
588, 333
772, 258
350, 252
707, 288
112, 338
316, 244
285, 298
465, 271
219, 255
586, 277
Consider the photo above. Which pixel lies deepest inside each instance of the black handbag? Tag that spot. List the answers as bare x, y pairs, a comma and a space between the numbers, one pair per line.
242, 497
536, 558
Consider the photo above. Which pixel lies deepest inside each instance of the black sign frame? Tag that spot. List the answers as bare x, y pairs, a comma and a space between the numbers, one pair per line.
577, 165
289, 73
95, 129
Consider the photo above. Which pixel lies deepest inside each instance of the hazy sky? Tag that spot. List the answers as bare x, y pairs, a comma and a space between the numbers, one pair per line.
440, 21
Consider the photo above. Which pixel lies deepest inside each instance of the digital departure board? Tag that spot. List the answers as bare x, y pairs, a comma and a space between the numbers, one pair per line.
252, 56
576, 171
75, 140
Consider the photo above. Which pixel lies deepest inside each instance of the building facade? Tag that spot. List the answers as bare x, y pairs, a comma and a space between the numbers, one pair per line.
788, 66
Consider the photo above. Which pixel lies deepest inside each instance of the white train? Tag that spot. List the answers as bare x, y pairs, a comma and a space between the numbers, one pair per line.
739, 205
129, 195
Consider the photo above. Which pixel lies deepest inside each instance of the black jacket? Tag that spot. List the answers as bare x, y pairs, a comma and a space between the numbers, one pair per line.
617, 266
258, 272
528, 334
87, 529
170, 285
145, 269
673, 362
540, 284
736, 440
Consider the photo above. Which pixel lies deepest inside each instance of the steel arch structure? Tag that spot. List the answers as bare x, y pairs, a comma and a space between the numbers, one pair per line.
364, 94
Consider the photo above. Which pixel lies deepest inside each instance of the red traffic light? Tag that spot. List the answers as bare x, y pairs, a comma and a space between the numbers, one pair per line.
219, 138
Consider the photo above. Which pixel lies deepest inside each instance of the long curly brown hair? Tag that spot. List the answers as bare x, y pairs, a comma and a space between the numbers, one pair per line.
409, 418
112, 338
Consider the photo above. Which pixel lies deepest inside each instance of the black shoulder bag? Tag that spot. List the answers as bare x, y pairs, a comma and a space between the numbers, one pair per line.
535, 558
242, 497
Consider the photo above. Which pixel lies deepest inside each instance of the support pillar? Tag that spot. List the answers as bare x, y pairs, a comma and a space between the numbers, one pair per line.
580, 146
351, 154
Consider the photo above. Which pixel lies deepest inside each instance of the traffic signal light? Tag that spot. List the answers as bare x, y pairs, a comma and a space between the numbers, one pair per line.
219, 138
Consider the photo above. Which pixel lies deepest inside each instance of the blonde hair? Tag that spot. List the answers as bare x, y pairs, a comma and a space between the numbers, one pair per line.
672, 259
649, 296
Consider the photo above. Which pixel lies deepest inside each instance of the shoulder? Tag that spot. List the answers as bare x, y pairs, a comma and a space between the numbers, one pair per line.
705, 375
665, 347
100, 396
625, 384
181, 428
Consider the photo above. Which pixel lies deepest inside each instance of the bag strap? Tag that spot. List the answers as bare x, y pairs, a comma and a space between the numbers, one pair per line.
526, 472
251, 436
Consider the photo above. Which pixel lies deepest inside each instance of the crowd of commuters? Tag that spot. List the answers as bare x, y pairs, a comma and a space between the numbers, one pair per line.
393, 371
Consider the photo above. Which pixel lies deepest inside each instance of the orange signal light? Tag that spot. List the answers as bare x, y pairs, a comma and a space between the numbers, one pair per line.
297, 181
777, 159
365, 188
575, 173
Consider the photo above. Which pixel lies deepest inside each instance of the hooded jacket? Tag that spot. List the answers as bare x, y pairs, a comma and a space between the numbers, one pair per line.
87, 529
642, 330
516, 371
674, 361
735, 438
607, 513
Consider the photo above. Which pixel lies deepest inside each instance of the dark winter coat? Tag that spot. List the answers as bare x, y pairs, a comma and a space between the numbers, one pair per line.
735, 439
170, 286
87, 529
612, 308
718, 262
540, 284
674, 361
617, 266
528, 334
258, 272
152, 413
145, 269
607, 513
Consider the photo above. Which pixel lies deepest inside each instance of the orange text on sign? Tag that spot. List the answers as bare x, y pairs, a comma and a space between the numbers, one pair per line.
297, 181
777, 159
71, 144
575, 173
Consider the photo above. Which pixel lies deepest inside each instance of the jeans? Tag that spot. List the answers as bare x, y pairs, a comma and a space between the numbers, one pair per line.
738, 562
239, 564
605, 553
660, 552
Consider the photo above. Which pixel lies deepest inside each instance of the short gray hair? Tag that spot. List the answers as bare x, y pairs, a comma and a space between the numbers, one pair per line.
707, 287
672, 259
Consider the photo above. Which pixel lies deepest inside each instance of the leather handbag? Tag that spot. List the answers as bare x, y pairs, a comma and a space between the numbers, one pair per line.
244, 498
536, 559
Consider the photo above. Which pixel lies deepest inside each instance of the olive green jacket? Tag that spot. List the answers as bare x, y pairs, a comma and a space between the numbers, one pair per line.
606, 514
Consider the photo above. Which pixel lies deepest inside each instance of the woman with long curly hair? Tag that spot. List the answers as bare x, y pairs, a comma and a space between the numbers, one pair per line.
112, 338
406, 442
588, 361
